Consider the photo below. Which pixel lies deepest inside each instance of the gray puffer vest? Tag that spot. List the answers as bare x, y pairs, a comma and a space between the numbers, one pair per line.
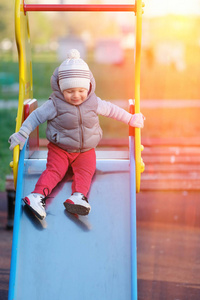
75, 128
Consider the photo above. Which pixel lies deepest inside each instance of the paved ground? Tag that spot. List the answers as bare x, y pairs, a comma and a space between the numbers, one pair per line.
5, 248
168, 245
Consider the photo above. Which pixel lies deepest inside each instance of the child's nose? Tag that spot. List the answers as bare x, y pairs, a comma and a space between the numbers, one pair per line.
76, 94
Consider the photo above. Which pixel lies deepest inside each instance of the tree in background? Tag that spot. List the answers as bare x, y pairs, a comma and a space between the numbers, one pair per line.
6, 20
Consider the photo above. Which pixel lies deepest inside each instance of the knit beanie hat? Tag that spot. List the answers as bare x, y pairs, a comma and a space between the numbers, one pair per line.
74, 72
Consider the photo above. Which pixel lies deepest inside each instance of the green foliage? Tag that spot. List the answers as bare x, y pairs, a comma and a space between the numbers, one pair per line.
41, 28
6, 19
7, 125
42, 73
9, 75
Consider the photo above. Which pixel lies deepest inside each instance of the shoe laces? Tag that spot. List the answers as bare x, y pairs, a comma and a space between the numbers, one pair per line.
84, 198
42, 201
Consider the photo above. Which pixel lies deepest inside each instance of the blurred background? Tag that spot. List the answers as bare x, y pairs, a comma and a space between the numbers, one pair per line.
170, 87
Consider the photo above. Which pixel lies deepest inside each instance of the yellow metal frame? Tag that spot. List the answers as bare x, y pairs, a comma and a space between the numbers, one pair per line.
22, 36
138, 147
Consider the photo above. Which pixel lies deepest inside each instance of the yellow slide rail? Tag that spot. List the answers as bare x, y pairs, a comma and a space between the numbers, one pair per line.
25, 72
138, 147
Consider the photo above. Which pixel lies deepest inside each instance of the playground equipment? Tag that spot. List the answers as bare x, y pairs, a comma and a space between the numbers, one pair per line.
75, 258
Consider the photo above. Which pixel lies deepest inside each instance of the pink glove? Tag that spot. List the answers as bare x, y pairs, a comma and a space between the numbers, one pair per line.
18, 138
137, 120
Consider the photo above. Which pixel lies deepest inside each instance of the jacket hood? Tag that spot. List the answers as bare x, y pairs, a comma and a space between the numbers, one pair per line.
56, 88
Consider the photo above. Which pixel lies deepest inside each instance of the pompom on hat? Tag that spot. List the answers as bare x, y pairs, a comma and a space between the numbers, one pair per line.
74, 72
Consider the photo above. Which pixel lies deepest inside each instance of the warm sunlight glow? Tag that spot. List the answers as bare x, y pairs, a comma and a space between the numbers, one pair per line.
175, 7
152, 7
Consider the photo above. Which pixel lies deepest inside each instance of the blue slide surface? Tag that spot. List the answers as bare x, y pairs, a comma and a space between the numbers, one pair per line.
87, 258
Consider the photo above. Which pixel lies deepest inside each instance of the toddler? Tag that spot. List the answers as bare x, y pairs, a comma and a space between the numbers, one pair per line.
73, 132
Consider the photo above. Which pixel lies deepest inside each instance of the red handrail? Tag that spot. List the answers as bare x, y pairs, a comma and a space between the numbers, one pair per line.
78, 7
132, 111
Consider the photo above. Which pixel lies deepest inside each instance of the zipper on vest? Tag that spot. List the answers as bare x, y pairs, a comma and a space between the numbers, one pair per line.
81, 128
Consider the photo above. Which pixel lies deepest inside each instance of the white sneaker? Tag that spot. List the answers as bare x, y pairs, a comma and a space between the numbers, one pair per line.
37, 204
77, 204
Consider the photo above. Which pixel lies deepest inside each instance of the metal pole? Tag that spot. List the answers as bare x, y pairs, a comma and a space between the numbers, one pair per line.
77, 7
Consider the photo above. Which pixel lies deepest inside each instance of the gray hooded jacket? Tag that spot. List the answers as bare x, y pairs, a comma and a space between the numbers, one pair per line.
75, 128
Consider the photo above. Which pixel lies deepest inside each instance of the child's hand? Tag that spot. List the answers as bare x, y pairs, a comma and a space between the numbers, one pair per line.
137, 120
18, 138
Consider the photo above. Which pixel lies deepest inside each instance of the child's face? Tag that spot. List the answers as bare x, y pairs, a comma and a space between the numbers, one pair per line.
75, 96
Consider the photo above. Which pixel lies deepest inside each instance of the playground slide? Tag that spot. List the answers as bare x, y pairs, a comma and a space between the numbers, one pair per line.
65, 257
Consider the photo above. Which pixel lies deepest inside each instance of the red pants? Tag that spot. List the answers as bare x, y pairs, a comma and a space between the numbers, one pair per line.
58, 161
